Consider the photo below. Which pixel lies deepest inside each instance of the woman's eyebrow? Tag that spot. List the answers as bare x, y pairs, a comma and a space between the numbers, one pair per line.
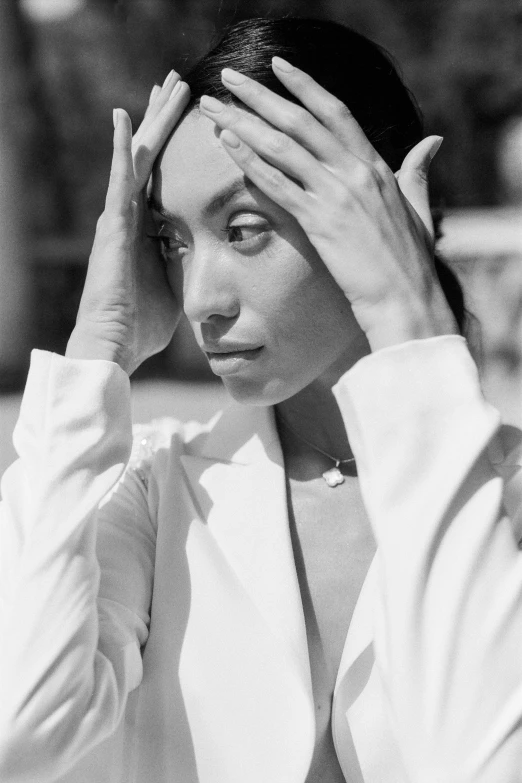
227, 194
216, 204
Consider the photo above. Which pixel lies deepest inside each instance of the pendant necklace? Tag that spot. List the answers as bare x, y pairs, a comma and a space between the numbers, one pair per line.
332, 476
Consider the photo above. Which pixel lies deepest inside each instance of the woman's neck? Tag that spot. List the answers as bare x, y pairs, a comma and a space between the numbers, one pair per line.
312, 416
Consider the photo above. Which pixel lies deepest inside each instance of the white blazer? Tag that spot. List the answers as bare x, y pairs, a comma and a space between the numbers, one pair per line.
153, 630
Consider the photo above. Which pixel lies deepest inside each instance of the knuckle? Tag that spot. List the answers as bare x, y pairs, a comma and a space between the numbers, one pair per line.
339, 110
248, 157
303, 118
364, 177
278, 143
275, 179
342, 201
296, 119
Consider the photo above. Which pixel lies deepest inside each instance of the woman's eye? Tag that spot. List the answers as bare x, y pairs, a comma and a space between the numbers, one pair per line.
247, 233
170, 244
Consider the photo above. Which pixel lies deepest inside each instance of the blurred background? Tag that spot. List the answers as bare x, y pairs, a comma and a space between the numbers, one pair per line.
64, 65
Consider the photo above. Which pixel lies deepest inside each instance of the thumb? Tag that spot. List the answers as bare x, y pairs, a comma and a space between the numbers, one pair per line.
413, 178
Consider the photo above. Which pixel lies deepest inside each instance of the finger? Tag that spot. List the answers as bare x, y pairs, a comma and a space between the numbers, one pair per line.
155, 90
148, 144
413, 178
294, 120
273, 146
329, 110
121, 183
268, 179
158, 101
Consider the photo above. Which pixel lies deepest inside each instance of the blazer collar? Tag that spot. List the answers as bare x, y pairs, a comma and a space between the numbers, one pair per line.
238, 488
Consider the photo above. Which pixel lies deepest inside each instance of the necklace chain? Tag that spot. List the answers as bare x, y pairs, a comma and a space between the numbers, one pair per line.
313, 446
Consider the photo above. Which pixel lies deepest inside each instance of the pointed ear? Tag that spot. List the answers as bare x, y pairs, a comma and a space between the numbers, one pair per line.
413, 178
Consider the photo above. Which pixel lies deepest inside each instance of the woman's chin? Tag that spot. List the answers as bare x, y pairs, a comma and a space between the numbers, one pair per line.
249, 391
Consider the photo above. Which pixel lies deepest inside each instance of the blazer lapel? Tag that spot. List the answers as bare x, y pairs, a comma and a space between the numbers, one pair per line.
238, 488
357, 658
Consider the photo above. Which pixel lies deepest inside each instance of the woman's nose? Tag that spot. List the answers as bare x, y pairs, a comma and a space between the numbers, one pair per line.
208, 288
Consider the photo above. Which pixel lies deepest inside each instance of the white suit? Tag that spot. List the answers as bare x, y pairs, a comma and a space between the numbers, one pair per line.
153, 630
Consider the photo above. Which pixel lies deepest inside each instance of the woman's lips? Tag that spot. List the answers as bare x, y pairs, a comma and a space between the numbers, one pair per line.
232, 361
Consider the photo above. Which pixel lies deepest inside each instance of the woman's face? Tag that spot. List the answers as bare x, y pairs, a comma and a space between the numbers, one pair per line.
262, 305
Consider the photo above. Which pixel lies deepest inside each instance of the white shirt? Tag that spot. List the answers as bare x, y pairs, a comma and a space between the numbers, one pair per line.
152, 628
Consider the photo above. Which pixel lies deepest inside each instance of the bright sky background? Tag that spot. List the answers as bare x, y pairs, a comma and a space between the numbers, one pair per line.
42, 10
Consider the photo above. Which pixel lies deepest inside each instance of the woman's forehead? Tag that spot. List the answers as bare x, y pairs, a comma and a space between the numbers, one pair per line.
193, 167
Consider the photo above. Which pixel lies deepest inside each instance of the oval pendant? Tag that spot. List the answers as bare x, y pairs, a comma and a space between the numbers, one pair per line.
333, 477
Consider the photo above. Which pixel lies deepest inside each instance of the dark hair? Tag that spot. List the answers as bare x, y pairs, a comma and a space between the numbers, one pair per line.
356, 70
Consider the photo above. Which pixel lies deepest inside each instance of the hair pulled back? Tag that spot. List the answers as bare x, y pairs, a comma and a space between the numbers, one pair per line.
356, 70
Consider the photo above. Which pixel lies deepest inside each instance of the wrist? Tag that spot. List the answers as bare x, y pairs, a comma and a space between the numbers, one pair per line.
401, 322
83, 344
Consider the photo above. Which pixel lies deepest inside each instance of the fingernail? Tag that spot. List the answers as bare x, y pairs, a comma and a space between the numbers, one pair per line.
233, 77
115, 117
435, 147
155, 90
210, 104
168, 78
230, 139
177, 88
282, 65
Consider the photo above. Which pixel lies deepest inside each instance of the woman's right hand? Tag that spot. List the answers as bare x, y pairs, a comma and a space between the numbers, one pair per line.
128, 310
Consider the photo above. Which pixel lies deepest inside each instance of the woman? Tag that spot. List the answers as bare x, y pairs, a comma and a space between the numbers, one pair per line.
185, 618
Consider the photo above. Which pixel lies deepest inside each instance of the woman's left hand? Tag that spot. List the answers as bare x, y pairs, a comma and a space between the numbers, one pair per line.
317, 163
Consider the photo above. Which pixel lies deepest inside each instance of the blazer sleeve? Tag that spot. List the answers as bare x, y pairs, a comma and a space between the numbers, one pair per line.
71, 631
448, 617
